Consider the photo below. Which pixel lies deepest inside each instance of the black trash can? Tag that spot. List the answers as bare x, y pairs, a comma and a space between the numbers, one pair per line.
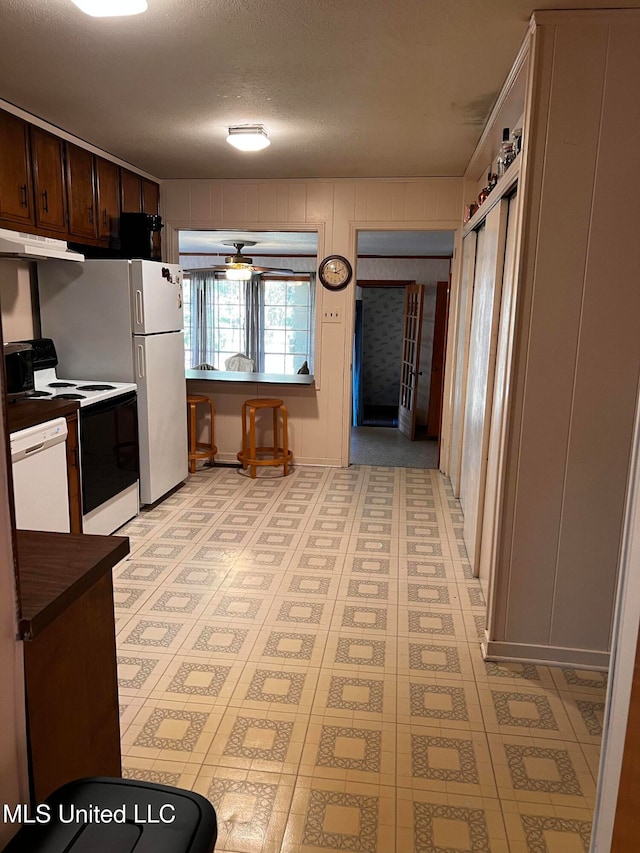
105, 815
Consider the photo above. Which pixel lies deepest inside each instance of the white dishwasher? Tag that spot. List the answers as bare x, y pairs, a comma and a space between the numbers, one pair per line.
39, 465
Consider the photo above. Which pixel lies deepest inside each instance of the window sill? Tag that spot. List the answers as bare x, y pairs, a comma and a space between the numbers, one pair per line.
254, 378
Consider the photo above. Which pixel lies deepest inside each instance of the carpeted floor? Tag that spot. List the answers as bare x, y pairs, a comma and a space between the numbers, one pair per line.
387, 446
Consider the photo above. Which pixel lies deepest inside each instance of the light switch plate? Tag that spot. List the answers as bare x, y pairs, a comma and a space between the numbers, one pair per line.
332, 315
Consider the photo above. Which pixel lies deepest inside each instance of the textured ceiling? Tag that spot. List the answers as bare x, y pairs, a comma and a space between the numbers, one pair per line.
346, 88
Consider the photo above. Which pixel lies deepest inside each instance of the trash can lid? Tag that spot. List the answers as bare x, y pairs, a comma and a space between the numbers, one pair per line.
105, 815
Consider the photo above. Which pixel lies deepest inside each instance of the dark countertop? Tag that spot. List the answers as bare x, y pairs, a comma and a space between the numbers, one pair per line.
55, 569
23, 412
256, 378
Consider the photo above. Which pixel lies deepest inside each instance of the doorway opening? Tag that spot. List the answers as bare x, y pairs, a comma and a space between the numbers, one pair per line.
398, 349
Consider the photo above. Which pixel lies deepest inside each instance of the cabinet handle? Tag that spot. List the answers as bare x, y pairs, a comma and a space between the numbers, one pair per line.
23, 192
104, 217
45, 201
140, 362
91, 214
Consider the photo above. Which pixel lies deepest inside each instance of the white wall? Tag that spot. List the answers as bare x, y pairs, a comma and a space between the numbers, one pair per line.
337, 209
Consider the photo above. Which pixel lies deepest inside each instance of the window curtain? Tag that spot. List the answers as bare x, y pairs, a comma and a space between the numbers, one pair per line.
254, 325
203, 316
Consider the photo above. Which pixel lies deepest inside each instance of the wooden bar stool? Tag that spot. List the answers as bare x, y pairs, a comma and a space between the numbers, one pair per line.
251, 455
199, 449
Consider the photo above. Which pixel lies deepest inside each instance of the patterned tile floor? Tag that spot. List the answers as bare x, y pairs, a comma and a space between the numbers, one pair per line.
304, 652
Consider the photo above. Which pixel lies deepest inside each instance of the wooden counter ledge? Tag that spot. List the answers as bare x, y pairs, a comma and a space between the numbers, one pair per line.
55, 569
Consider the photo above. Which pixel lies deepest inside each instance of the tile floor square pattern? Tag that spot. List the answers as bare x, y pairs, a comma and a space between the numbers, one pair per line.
304, 651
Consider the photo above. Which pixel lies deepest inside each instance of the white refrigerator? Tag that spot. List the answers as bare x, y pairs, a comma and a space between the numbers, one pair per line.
122, 321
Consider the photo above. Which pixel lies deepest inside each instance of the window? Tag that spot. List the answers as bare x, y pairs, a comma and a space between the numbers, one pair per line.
270, 320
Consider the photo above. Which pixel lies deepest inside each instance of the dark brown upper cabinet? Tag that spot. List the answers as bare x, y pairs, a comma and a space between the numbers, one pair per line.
16, 184
150, 197
108, 193
81, 190
131, 192
49, 181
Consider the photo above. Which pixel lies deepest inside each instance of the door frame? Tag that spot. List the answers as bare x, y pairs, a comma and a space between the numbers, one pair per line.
453, 226
623, 657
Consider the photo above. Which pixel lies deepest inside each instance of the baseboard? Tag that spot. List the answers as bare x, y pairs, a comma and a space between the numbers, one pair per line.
545, 655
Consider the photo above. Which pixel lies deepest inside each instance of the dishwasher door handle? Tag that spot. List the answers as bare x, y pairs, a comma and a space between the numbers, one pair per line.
34, 448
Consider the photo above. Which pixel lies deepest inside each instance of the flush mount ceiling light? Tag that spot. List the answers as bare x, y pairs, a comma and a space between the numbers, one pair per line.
111, 8
248, 137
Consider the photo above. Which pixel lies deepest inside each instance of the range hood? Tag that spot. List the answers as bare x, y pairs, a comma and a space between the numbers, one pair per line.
17, 244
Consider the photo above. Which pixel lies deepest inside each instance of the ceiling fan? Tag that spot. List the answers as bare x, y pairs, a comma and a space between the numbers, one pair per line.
240, 267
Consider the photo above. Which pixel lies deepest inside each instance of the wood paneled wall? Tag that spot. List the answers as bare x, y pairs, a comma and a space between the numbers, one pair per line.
320, 418
577, 348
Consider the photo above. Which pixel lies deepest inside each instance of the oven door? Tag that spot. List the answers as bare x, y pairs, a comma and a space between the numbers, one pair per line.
109, 449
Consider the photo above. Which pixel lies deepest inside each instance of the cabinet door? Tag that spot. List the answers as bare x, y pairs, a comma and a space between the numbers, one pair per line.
150, 196
81, 192
131, 189
108, 192
150, 204
50, 191
16, 187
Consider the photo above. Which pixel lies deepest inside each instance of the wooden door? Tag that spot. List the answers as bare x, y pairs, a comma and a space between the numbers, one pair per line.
437, 359
49, 181
16, 186
413, 307
626, 827
131, 192
463, 335
81, 192
477, 416
108, 197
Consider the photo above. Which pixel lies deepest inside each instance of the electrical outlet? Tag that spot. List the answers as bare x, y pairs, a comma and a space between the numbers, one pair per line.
332, 315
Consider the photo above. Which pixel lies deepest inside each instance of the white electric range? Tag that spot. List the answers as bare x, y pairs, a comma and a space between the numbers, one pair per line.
108, 438
49, 386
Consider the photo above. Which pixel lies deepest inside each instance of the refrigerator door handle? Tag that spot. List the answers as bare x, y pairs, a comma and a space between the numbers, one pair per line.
140, 351
139, 307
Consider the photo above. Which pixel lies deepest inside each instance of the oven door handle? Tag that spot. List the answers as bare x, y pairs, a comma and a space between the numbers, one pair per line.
140, 350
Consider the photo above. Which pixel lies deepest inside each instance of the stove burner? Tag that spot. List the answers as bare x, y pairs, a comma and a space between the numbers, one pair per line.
96, 387
39, 394
61, 385
71, 396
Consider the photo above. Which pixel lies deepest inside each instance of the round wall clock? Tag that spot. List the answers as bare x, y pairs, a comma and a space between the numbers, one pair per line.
335, 272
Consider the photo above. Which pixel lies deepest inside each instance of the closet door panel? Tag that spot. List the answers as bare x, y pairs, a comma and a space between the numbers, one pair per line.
482, 348
462, 356
498, 413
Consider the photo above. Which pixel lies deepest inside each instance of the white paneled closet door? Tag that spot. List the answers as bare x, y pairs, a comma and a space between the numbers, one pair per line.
498, 409
462, 356
485, 316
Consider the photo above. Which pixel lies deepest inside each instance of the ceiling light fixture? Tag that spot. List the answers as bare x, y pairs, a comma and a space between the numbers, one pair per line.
248, 137
111, 8
239, 272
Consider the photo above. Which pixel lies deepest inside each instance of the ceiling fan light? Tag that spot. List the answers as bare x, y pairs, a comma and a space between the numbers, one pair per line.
239, 272
248, 137
111, 8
